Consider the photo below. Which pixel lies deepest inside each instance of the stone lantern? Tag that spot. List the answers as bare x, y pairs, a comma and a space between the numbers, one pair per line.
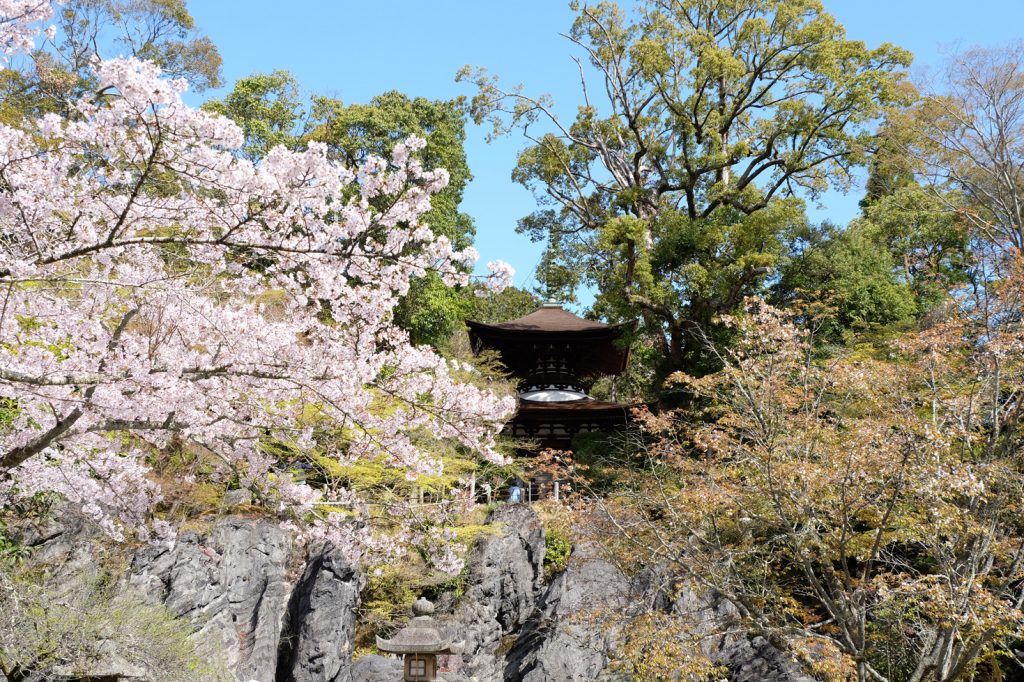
420, 643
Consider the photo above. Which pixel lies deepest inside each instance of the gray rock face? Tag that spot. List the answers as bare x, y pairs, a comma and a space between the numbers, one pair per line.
748, 659
756, 660
320, 626
505, 582
64, 545
507, 571
569, 639
377, 669
279, 615
233, 581
272, 612
581, 616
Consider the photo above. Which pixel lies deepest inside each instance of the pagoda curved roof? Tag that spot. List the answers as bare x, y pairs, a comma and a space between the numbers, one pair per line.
594, 348
550, 318
587, 409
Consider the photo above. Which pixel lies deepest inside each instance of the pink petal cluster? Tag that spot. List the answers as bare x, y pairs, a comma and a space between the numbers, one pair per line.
502, 275
155, 284
18, 25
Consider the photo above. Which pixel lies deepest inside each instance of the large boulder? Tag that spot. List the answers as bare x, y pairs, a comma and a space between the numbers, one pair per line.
755, 659
581, 621
507, 567
320, 625
569, 638
377, 669
66, 544
506, 579
713, 620
232, 581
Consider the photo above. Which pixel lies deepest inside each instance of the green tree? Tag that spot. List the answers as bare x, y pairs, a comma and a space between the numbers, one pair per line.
557, 278
929, 244
894, 263
161, 31
682, 170
852, 274
267, 108
908, 215
507, 305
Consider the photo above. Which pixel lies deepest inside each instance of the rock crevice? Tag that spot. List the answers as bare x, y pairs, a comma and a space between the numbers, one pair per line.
281, 613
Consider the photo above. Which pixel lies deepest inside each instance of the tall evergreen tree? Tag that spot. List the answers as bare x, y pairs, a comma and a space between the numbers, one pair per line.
673, 188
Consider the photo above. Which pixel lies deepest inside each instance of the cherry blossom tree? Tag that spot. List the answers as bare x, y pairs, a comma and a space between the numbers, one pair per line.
156, 287
19, 21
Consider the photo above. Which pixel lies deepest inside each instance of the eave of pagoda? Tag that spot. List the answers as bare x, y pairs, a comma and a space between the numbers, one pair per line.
555, 424
574, 410
590, 348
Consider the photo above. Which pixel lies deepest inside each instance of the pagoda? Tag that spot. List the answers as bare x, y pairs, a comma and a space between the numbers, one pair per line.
556, 356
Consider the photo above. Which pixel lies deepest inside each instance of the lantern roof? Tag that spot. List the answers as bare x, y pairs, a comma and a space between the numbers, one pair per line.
423, 635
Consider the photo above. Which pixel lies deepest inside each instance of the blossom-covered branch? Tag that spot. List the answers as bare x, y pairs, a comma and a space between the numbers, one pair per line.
152, 282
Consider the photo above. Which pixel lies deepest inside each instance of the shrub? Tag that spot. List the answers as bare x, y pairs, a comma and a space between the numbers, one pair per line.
557, 549
69, 628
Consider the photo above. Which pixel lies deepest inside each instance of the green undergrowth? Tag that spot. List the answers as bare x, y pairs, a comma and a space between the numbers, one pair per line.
69, 625
560, 523
557, 549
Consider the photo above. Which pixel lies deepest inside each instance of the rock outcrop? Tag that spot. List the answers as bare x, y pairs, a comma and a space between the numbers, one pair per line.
506, 580
376, 669
519, 630
274, 611
283, 613
568, 639
712, 619
233, 581
319, 632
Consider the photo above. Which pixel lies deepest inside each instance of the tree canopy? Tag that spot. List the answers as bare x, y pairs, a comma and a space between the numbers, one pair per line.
702, 125
162, 291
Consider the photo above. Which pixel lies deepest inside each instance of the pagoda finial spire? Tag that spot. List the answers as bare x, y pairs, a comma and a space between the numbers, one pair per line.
550, 301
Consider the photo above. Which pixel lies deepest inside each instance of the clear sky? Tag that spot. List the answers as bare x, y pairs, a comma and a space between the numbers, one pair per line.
354, 50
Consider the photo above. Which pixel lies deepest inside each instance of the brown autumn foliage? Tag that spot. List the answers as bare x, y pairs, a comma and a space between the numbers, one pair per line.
861, 510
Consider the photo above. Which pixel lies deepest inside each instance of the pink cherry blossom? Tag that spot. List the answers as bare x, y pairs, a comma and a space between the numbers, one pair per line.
155, 285
18, 25
501, 277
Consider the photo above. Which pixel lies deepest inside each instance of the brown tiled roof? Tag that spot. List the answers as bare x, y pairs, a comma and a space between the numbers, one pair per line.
592, 344
550, 318
588, 408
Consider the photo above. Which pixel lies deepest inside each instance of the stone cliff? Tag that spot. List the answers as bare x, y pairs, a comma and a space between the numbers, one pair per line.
282, 613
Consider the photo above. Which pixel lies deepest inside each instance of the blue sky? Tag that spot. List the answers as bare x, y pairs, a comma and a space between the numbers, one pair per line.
354, 50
